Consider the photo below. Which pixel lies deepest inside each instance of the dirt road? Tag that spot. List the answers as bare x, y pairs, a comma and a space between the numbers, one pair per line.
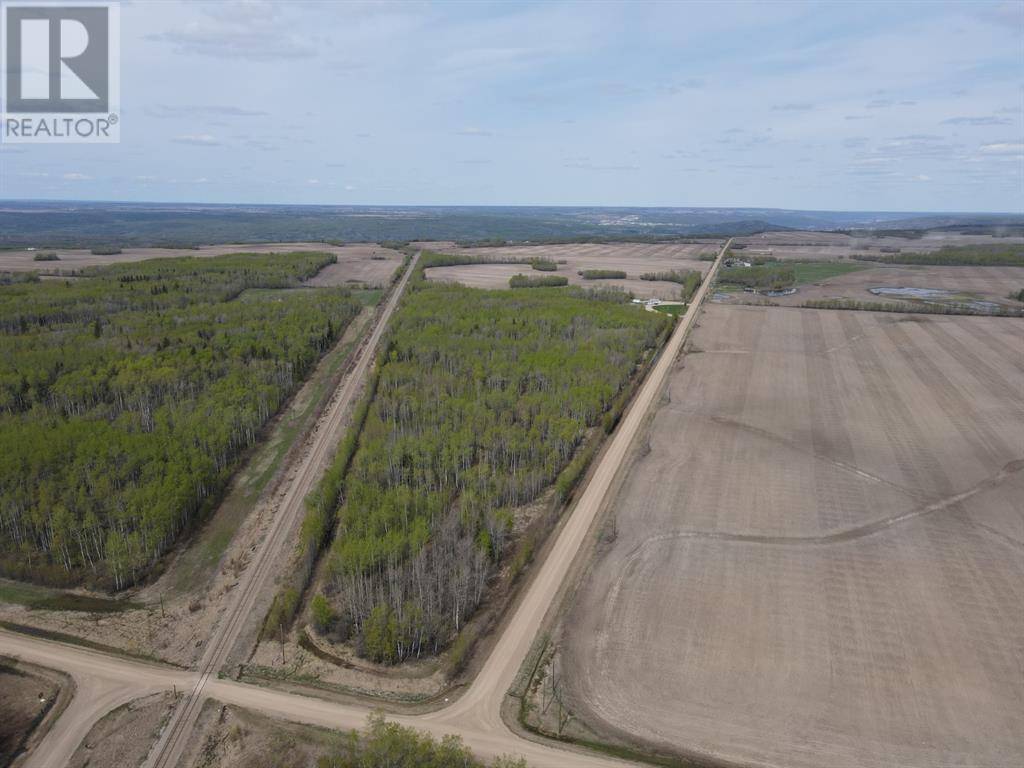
476, 716
256, 578
481, 705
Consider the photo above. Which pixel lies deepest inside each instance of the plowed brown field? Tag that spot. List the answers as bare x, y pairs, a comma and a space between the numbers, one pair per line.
632, 258
820, 561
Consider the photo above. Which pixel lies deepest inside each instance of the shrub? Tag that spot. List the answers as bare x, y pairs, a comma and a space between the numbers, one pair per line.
46, 256
689, 279
602, 274
323, 613
543, 265
771, 277
282, 611
550, 281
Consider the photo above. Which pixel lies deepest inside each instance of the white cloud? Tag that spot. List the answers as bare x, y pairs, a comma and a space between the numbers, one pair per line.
196, 139
1003, 148
76, 177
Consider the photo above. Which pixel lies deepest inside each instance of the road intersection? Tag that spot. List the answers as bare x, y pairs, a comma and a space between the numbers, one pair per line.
105, 681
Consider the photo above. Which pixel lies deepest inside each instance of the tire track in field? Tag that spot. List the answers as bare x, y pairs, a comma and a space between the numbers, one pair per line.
986, 444
726, 421
986, 374
830, 438
916, 463
846, 535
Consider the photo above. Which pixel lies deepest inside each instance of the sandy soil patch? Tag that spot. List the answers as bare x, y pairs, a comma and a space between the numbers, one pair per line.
360, 262
232, 737
31, 698
820, 561
125, 736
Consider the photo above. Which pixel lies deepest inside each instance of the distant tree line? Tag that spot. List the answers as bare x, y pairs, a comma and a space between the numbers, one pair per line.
127, 396
482, 402
955, 256
906, 306
769, 276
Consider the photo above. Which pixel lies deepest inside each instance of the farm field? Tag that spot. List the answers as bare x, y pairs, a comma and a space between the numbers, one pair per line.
820, 560
632, 258
964, 284
825, 246
360, 262
32, 699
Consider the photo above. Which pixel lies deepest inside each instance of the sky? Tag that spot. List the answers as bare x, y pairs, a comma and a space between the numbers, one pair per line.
882, 106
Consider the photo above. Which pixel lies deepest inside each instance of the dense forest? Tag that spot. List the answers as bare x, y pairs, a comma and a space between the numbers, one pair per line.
127, 396
955, 256
482, 400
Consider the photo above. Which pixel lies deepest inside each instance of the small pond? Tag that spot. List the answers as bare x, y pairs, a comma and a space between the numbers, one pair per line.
936, 296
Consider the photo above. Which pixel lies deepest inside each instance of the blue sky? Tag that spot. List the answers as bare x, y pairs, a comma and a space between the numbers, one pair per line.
855, 106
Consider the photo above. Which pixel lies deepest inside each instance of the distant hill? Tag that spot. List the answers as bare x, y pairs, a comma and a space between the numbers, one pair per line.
85, 224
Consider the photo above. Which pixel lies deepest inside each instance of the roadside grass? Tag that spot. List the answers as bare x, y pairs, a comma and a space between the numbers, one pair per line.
675, 310
200, 558
369, 296
813, 271
44, 599
62, 637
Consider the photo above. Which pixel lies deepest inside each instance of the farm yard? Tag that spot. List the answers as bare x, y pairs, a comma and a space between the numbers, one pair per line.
634, 259
818, 557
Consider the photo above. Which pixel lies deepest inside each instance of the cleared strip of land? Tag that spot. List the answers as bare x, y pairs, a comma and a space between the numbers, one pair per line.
357, 263
820, 561
240, 615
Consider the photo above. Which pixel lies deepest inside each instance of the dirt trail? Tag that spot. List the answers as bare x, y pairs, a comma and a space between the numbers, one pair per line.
256, 578
480, 706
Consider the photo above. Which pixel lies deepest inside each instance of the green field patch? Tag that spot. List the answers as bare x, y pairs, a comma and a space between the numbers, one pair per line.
44, 599
816, 271
675, 310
